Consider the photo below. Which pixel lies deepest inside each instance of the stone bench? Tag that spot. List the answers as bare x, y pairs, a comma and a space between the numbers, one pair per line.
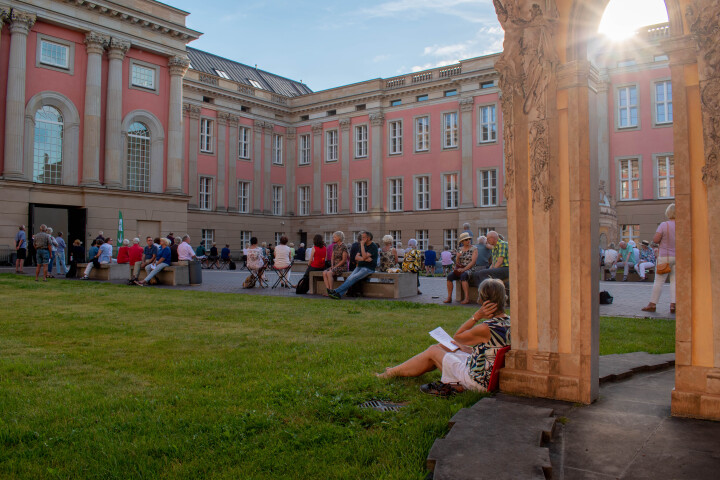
178, 273
473, 290
106, 272
377, 285
632, 274
299, 266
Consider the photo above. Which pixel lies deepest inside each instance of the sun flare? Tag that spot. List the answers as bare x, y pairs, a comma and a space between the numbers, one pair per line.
622, 18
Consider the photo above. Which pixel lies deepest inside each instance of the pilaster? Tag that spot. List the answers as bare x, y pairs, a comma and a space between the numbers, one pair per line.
268, 129
317, 130
291, 137
177, 67
117, 48
345, 153
257, 161
377, 120
193, 113
467, 105
95, 45
232, 181
222, 121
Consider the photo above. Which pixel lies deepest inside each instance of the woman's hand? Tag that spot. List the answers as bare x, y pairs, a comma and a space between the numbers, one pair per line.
463, 348
485, 311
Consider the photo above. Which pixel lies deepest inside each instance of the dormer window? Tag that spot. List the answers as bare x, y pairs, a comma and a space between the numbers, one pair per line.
222, 74
255, 83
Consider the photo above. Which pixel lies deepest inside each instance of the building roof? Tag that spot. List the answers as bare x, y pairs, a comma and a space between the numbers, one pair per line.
208, 63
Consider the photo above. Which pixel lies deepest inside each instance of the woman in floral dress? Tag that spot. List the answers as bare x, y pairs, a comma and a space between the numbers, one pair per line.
388, 255
464, 267
339, 263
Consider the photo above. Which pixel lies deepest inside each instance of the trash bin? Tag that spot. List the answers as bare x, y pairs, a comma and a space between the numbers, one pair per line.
195, 272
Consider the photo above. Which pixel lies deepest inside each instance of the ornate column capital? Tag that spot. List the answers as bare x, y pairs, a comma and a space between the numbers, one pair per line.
466, 104
290, 133
317, 129
178, 65
4, 14
269, 127
222, 118
192, 111
377, 119
344, 124
117, 48
95, 42
259, 125
232, 120
21, 22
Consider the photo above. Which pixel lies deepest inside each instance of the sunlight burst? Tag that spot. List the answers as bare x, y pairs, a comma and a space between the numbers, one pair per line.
622, 18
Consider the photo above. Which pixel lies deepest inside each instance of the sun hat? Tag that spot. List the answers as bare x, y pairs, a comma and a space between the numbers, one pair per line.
464, 236
646, 243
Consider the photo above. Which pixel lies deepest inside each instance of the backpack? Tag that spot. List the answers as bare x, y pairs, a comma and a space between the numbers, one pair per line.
605, 298
249, 282
232, 265
303, 286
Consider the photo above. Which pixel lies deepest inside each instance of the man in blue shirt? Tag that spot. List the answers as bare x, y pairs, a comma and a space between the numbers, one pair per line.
60, 254
225, 253
161, 261
20, 249
430, 259
366, 259
149, 253
103, 256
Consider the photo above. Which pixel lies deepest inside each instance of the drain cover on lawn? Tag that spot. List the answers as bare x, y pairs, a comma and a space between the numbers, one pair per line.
381, 406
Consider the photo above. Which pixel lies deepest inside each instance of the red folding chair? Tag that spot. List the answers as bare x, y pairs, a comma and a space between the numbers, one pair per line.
494, 382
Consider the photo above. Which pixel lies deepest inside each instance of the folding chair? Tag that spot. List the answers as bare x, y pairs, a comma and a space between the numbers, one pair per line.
258, 275
223, 264
243, 259
283, 275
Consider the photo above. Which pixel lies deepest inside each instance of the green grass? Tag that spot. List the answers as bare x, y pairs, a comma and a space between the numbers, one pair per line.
625, 335
107, 381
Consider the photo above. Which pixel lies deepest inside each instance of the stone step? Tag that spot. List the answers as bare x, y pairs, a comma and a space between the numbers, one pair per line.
494, 439
622, 365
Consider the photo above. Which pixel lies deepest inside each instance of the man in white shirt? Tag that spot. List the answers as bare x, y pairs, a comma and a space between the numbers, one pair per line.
611, 258
185, 250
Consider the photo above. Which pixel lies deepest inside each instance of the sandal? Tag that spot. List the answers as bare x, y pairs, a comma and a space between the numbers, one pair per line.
672, 308
440, 389
449, 300
650, 308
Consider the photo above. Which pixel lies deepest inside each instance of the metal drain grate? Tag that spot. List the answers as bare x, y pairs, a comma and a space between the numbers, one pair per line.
381, 406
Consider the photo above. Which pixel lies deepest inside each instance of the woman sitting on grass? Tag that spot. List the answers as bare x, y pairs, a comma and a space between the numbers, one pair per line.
470, 367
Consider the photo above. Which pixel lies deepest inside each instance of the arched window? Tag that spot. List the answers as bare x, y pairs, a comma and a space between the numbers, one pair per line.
47, 154
138, 157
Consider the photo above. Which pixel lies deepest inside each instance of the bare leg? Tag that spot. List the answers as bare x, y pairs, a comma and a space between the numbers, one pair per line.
327, 278
466, 289
424, 362
449, 289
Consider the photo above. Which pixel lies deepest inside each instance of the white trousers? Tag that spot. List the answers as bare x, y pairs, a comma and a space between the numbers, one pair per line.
641, 267
660, 281
89, 268
627, 266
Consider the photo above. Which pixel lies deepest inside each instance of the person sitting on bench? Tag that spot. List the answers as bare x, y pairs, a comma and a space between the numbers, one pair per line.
161, 261
367, 260
339, 262
103, 256
479, 339
185, 250
135, 259
499, 264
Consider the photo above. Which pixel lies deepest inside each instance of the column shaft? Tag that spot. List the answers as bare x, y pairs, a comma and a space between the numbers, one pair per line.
232, 163
95, 44
267, 164
377, 120
257, 162
221, 152
466, 107
345, 192
113, 115
290, 170
193, 112
317, 130
177, 67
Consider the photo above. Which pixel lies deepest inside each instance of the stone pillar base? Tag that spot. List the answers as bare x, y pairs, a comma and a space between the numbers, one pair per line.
175, 191
13, 176
696, 393
90, 183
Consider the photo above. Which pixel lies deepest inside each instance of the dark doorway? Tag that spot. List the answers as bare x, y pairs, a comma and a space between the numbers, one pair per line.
67, 219
303, 237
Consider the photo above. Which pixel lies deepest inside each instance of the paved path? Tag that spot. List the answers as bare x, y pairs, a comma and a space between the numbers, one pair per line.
629, 297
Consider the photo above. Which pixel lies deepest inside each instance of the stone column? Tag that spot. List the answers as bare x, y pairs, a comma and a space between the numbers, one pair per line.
222, 121
345, 153
193, 113
268, 129
467, 106
95, 44
603, 131
113, 115
257, 156
177, 67
377, 120
291, 138
21, 23
232, 163
317, 130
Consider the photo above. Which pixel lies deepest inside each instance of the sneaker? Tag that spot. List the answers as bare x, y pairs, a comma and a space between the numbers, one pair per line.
624, 279
440, 389
611, 279
333, 294
84, 277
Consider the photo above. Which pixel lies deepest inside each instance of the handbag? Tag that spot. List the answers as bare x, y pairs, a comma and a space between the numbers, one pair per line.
457, 272
663, 268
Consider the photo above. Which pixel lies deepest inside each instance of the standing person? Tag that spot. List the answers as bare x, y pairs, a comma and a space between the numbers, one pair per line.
77, 255
162, 261
300, 253
20, 249
171, 237
647, 259
292, 249
339, 263
412, 261
100, 236
665, 237
399, 249
366, 262
53, 250
466, 258
430, 260
60, 254
388, 255
446, 260
466, 229
174, 244
41, 241
135, 257
103, 256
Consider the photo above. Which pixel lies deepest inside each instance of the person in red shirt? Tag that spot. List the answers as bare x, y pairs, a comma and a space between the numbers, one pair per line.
123, 252
135, 256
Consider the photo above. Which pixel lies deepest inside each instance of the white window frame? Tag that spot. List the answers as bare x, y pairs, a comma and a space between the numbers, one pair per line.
278, 236
395, 194
70, 55
331, 146
304, 153
630, 232
256, 84
397, 237
304, 200
277, 200
454, 189
487, 128
422, 195
621, 162
483, 231
222, 74
244, 188
277, 149
422, 237
205, 192
488, 183
149, 66
422, 133
625, 112
395, 137
360, 187
327, 237
207, 238
361, 141
245, 236
244, 142
669, 160
451, 133
207, 132
666, 104
450, 236
331, 198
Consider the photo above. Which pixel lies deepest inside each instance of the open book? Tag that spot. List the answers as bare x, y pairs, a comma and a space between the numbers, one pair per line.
443, 339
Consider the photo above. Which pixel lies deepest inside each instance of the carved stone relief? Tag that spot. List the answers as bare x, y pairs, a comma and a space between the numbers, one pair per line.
192, 111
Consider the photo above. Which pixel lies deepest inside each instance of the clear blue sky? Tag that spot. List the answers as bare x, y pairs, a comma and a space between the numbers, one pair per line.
330, 43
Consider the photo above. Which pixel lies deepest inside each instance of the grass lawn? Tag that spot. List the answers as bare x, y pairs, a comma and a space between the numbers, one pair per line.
108, 381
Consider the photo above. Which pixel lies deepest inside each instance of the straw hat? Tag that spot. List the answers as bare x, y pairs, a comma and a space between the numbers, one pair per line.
464, 236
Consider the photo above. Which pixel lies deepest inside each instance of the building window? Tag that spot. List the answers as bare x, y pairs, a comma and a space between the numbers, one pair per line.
396, 194
629, 179
627, 107
422, 193
488, 124
450, 130
361, 141
666, 176
143, 77
451, 191
450, 238
277, 150
331, 144
206, 135
397, 237
422, 98
396, 137
331, 198
487, 84
54, 54
327, 237
47, 152
222, 74
304, 200
663, 102
277, 200
450, 93
245, 237
244, 142
422, 134
206, 193
255, 83
630, 232
278, 236
138, 158
488, 188
208, 238
483, 231
395, 103
361, 196
304, 157
243, 197
422, 239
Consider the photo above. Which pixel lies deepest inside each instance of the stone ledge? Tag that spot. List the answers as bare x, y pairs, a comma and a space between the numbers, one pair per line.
619, 366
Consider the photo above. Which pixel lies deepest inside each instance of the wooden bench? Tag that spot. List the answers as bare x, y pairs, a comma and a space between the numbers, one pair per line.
377, 285
106, 272
176, 274
473, 290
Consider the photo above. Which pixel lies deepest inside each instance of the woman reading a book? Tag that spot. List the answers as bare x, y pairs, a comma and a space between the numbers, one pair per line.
477, 341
